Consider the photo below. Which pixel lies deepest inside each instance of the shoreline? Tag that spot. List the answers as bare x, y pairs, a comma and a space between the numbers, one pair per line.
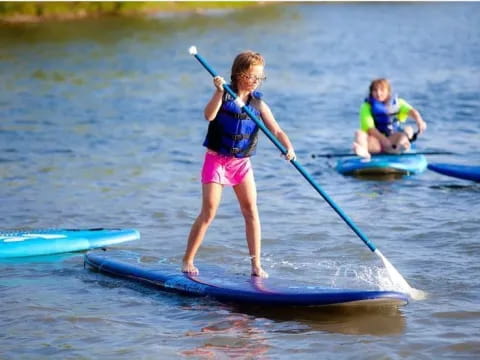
38, 12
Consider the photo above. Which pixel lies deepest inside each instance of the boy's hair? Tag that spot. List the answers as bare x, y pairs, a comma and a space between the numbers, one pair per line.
382, 82
242, 64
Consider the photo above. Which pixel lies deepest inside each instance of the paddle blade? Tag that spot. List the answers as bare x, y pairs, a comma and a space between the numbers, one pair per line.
398, 281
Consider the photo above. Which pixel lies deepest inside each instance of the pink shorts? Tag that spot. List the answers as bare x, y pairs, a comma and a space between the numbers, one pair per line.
224, 170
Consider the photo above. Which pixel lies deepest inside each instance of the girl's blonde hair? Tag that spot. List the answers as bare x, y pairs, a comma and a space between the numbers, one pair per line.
242, 64
382, 82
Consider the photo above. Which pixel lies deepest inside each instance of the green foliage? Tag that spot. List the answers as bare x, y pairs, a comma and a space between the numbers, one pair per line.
77, 9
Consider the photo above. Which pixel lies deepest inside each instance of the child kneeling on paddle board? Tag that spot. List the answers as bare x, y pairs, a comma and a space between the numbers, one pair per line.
231, 139
380, 115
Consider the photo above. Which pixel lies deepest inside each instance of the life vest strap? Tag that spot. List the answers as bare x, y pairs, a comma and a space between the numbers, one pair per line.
240, 116
238, 137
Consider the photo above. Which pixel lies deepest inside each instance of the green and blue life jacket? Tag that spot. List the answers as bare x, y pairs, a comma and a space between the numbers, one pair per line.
385, 115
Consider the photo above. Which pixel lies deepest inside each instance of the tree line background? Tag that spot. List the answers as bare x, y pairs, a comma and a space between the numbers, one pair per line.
37, 11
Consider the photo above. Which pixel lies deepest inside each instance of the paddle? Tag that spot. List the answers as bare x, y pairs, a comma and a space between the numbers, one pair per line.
414, 136
397, 279
401, 154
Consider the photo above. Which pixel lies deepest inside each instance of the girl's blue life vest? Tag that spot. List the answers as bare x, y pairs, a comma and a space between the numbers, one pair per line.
232, 132
385, 115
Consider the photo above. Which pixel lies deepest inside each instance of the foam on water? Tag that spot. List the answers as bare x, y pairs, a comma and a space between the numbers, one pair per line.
335, 274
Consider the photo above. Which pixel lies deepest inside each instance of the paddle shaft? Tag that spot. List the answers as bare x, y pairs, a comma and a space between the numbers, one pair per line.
401, 154
295, 163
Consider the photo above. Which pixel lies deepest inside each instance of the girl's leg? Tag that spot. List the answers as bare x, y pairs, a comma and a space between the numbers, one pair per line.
374, 145
246, 193
400, 139
360, 144
211, 196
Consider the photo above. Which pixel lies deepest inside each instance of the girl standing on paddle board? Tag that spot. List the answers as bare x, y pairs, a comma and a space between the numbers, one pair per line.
380, 115
231, 139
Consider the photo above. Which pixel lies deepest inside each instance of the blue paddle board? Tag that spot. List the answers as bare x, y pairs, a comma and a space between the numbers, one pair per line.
54, 241
383, 164
216, 283
459, 171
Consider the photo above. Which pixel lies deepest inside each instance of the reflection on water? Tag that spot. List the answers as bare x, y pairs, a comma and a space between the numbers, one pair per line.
43, 259
241, 330
150, 30
234, 336
467, 187
379, 176
351, 320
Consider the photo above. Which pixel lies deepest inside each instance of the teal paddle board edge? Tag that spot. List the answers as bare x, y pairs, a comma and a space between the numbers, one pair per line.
54, 241
406, 164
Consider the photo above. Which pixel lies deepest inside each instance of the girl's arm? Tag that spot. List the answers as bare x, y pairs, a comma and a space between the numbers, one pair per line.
276, 130
415, 115
211, 109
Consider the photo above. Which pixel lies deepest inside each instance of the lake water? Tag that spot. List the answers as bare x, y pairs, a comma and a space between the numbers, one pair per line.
101, 126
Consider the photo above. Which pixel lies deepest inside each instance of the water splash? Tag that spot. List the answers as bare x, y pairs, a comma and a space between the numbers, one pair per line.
340, 275
398, 282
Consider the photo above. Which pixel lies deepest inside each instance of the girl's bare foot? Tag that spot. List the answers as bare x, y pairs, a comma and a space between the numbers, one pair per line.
190, 269
258, 271
361, 151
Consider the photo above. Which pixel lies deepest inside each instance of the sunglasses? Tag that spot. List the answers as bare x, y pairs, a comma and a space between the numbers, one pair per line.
253, 77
